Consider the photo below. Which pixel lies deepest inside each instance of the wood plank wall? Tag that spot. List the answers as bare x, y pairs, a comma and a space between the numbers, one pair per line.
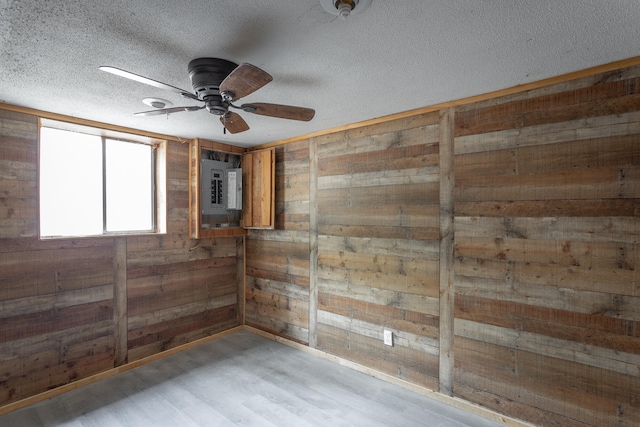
75, 307
378, 191
541, 291
277, 273
547, 200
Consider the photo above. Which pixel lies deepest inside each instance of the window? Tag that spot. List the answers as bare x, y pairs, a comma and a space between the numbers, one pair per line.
93, 184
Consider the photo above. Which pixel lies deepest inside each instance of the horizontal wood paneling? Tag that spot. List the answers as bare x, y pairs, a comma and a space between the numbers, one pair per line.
546, 234
409, 364
547, 247
609, 97
277, 261
378, 230
542, 295
18, 154
178, 290
58, 318
56, 297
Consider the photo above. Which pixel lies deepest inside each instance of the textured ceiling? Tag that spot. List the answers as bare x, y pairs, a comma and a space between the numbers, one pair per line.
396, 56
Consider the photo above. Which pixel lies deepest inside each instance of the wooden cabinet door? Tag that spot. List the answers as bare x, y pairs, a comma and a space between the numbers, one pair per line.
258, 188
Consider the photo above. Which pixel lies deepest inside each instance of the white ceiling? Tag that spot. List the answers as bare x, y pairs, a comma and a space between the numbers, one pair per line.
397, 55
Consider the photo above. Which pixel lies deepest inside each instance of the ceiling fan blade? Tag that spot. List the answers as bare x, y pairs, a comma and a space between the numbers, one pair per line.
148, 81
280, 111
244, 80
233, 122
167, 111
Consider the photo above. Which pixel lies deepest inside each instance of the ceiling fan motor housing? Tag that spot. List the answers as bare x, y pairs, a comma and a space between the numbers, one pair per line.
206, 74
216, 105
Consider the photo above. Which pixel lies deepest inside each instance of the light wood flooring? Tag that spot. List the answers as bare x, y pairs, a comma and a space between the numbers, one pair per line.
242, 380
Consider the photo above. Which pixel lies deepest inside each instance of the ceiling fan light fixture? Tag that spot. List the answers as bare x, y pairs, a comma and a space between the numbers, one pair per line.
156, 102
217, 83
345, 8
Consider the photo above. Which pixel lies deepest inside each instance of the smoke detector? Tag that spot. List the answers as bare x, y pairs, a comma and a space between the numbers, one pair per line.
157, 102
345, 8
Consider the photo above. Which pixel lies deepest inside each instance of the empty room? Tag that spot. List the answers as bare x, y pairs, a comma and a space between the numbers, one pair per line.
320, 213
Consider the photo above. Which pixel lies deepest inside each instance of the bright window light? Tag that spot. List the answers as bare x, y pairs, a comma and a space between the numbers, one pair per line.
129, 178
70, 183
90, 185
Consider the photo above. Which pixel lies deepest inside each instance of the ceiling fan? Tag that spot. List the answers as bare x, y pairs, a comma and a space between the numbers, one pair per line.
219, 83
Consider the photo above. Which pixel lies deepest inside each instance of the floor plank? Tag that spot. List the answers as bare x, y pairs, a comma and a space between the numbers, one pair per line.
241, 379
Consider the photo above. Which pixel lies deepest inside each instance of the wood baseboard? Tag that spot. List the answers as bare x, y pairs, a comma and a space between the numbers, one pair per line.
452, 401
13, 406
449, 400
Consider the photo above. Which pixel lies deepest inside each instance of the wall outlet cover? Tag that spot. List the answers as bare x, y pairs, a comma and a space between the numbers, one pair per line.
388, 337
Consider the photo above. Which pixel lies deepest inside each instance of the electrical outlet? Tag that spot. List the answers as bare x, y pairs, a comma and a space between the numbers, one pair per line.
388, 337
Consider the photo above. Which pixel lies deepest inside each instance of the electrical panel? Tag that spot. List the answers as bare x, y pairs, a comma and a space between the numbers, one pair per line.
221, 187
220, 190
217, 175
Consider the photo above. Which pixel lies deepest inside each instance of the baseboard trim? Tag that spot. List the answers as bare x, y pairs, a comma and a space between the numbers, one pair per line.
449, 400
452, 401
19, 404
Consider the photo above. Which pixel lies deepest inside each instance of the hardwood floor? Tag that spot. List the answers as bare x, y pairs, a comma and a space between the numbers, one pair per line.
242, 379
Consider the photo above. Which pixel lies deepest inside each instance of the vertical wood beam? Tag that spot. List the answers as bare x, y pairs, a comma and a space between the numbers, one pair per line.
313, 244
267, 187
120, 329
447, 291
247, 189
194, 189
241, 277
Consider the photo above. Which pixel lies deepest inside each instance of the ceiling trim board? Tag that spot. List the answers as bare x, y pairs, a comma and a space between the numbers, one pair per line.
563, 78
84, 122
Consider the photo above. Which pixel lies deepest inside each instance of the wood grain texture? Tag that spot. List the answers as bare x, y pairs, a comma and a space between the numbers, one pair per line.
177, 294
278, 262
541, 271
378, 233
73, 308
546, 295
607, 98
251, 388
446, 255
120, 312
546, 253
313, 244
259, 179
